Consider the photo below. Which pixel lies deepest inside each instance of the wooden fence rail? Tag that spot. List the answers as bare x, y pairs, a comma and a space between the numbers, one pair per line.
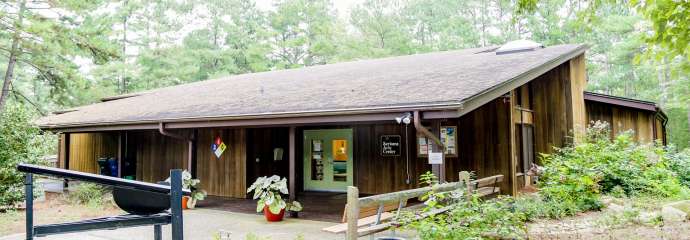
480, 187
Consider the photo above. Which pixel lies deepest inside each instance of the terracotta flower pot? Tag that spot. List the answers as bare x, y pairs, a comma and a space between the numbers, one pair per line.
273, 217
185, 199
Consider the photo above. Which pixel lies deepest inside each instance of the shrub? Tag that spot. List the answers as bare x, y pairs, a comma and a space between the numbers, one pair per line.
90, 194
20, 141
475, 219
575, 176
679, 163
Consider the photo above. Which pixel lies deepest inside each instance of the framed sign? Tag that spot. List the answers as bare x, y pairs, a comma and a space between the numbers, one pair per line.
390, 145
449, 139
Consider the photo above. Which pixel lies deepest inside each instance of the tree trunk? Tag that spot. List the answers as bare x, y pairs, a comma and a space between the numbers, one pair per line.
688, 123
123, 78
14, 51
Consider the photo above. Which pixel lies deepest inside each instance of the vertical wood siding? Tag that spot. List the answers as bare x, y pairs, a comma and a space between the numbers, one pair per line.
553, 105
86, 148
224, 176
376, 174
576, 98
623, 119
484, 144
156, 154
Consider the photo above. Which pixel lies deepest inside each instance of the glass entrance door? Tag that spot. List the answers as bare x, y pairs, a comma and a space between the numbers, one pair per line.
328, 160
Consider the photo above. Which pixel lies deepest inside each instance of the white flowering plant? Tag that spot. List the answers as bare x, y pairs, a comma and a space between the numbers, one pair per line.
268, 191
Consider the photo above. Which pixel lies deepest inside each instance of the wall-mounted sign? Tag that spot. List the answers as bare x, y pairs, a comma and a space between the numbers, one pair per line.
424, 145
449, 140
218, 147
390, 145
435, 158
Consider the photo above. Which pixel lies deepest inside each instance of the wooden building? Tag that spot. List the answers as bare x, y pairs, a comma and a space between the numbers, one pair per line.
645, 119
376, 124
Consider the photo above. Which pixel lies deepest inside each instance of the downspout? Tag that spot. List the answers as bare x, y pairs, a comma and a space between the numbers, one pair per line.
421, 129
190, 142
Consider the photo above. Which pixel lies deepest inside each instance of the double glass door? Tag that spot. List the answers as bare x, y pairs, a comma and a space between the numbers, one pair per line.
328, 159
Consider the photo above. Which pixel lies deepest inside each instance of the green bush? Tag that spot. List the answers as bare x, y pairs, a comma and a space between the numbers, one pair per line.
575, 176
679, 162
475, 219
90, 194
20, 141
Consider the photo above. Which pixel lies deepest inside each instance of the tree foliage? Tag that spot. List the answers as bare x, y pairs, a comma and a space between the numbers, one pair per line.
20, 142
638, 49
41, 41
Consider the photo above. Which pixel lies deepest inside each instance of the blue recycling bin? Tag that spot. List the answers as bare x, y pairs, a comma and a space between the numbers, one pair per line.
112, 166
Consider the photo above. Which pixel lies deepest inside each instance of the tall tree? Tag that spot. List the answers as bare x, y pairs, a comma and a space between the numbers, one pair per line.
302, 32
48, 37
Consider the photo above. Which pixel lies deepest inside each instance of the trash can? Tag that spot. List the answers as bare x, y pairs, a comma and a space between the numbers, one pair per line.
112, 166
103, 168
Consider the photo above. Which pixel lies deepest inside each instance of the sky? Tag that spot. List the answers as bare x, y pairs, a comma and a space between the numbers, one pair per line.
342, 6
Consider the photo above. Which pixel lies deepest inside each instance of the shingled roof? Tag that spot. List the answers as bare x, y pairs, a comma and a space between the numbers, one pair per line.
422, 81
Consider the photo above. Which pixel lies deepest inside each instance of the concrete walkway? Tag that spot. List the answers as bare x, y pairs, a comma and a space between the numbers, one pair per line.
205, 224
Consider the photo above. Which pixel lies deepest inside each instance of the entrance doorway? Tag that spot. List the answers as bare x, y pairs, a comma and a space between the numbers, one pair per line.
328, 160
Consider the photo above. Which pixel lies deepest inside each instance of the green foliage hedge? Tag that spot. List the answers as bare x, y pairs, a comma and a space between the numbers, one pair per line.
20, 141
576, 176
573, 180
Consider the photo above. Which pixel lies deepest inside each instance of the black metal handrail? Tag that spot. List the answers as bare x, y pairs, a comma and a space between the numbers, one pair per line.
95, 178
173, 216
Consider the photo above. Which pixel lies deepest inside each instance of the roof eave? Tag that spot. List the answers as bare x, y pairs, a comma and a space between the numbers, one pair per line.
444, 110
621, 101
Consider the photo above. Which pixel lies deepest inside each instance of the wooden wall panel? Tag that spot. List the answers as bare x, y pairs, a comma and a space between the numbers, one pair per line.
599, 112
86, 148
553, 121
641, 122
224, 176
484, 143
622, 119
156, 154
376, 174
61, 150
261, 143
659, 130
576, 101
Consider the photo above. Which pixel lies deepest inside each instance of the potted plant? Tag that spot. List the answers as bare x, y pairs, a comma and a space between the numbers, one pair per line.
268, 191
189, 202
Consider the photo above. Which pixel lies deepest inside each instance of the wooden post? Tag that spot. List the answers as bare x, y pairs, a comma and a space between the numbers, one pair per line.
438, 169
190, 154
192, 169
292, 162
65, 182
352, 212
513, 150
465, 179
